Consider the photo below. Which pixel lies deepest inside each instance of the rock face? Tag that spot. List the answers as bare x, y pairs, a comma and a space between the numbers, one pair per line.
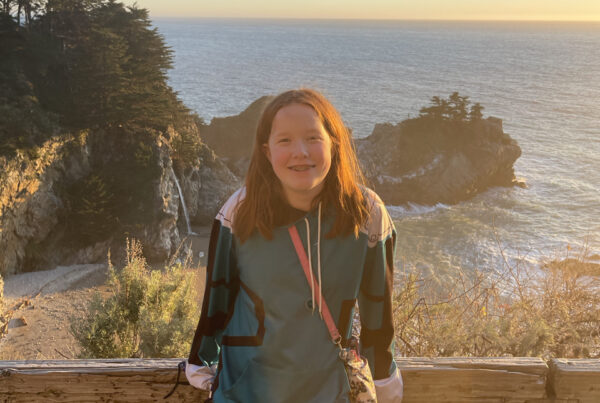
232, 137
29, 202
160, 236
206, 184
38, 229
427, 163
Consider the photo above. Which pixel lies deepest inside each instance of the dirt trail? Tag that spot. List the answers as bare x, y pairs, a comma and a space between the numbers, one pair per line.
40, 306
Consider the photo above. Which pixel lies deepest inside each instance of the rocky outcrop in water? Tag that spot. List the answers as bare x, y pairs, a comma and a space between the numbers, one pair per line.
427, 162
423, 161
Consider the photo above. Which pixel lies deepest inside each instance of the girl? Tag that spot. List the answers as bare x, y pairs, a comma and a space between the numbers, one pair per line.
261, 335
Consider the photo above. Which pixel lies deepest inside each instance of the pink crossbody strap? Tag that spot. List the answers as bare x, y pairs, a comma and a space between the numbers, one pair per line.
333, 330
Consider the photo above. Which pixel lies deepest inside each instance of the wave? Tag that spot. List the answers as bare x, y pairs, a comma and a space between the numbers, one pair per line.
412, 209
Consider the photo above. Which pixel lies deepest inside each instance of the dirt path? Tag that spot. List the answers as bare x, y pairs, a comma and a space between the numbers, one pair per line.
46, 334
41, 305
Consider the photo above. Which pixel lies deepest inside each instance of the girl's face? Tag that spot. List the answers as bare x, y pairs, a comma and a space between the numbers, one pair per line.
299, 149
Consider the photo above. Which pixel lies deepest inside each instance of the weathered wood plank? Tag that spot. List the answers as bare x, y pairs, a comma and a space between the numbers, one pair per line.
575, 379
473, 379
130, 380
122, 380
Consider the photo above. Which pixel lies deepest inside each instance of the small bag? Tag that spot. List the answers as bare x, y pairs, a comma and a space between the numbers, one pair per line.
362, 387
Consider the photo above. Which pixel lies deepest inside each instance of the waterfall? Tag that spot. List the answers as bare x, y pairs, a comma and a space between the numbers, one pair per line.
185, 212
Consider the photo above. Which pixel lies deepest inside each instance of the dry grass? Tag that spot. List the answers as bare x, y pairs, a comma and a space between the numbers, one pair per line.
547, 310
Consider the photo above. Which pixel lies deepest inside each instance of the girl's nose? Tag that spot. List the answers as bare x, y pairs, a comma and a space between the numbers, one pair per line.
300, 149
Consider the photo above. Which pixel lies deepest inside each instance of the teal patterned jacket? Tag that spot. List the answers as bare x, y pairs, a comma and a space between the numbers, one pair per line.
258, 328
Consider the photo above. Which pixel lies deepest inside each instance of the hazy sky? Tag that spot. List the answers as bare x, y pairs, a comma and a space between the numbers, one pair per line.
567, 10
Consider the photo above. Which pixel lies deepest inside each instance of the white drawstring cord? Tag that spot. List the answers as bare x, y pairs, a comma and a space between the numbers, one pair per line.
312, 281
319, 261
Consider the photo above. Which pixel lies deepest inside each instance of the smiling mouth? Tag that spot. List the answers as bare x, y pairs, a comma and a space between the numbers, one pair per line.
301, 168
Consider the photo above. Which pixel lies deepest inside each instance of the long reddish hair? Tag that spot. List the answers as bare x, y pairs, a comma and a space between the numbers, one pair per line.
341, 191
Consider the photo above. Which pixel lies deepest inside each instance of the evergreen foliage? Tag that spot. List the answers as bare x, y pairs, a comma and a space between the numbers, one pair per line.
23, 120
455, 108
83, 63
150, 313
475, 112
92, 215
117, 197
446, 123
186, 142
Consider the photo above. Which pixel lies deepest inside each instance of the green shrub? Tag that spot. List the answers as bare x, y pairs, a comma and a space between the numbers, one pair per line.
149, 314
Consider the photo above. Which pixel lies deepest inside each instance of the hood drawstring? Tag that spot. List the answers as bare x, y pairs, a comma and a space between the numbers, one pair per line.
318, 261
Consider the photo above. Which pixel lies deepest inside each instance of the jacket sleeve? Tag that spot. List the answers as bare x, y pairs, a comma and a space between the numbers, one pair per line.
375, 304
221, 288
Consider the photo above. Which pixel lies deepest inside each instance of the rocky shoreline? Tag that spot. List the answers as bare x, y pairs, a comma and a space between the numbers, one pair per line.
417, 161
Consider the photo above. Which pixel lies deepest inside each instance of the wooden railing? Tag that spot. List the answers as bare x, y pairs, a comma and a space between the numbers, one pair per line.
530, 380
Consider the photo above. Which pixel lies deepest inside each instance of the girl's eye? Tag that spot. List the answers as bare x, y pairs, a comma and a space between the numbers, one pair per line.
284, 140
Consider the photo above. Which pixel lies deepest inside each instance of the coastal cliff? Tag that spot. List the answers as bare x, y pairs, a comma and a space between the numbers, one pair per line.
81, 195
78, 196
95, 146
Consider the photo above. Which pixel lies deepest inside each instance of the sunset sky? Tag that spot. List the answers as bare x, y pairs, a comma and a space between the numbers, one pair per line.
551, 10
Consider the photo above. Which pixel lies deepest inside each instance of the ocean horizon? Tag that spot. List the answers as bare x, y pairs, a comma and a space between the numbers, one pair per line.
158, 19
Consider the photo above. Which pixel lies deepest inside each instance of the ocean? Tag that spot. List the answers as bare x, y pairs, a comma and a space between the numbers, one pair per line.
541, 79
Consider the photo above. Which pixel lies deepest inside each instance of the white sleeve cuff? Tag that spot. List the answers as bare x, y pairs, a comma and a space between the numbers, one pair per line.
200, 377
390, 390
